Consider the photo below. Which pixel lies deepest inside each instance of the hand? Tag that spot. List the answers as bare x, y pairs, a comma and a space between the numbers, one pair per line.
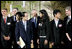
52, 43
68, 36
46, 42
7, 38
18, 42
31, 41
38, 41
32, 45
69, 39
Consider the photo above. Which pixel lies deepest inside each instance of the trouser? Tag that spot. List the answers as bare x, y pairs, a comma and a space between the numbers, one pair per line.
14, 44
68, 44
42, 43
35, 39
0, 45
56, 46
35, 43
5, 43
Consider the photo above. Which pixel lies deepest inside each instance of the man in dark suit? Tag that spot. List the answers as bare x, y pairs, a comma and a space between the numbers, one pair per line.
24, 29
5, 29
15, 10
56, 29
13, 18
0, 36
67, 27
34, 21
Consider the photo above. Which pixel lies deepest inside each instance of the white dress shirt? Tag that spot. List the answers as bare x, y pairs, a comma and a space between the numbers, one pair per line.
14, 18
34, 19
69, 18
56, 22
25, 24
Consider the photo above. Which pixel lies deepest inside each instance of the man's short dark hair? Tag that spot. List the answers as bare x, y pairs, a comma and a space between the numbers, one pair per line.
16, 8
56, 11
5, 9
19, 14
23, 13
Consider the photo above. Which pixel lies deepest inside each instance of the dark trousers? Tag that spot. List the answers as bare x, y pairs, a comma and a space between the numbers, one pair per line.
42, 43
68, 44
56, 46
0, 45
35, 43
0, 39
35, 40
14, 44
6, 44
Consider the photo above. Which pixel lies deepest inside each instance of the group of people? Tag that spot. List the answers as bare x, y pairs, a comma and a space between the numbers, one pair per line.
38, 30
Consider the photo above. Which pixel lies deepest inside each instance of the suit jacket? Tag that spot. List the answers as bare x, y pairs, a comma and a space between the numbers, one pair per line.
48, 31
6, 27
35, 29
13, 27
67, 27
32, 20
56, 34
20, 31
13, 23
41, 27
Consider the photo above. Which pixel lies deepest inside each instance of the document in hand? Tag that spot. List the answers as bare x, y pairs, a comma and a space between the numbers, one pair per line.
22, 43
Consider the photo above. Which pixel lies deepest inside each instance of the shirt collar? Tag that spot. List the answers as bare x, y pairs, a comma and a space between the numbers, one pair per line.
34, 17
4, 17
24, 21
69, 16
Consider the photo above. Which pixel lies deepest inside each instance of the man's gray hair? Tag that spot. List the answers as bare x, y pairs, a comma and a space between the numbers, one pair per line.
68, 8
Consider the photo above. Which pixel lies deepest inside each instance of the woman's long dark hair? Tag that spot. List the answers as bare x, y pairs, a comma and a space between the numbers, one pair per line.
45, 15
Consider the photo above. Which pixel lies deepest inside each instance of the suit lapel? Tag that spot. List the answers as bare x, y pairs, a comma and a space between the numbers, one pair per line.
54, 24
27, 26
22, 26
32, 20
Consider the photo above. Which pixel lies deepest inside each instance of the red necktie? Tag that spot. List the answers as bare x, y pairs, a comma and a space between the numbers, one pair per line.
4, 20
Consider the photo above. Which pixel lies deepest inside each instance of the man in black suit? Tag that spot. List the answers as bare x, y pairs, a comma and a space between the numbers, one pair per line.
13, 18
24, 30
67, 27
5, 29
34, 21
56, 29
0, 37
15, 10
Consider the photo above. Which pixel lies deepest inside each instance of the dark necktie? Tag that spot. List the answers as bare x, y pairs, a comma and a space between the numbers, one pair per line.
35, 23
